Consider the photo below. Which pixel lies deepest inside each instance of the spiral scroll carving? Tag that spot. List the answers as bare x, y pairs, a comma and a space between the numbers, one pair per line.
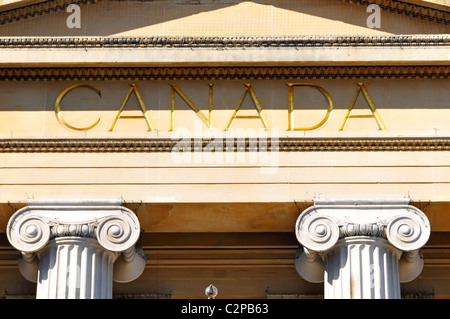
318, 228
117, 233
408, 232
116, 228
28, 233
317, 232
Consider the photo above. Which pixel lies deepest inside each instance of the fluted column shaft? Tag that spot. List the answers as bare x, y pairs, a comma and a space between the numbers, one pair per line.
75, 268
361, 248
74, 250
362, 267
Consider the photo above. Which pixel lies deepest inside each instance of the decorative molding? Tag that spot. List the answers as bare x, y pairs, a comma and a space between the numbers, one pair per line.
355, 229
225, 41
394, 6
47, 233
383, 237
38, 9
115, 227
116, 145
407, 9
58, 229
319, 227
225, 73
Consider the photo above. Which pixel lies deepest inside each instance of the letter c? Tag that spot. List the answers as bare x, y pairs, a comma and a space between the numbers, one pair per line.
58, 107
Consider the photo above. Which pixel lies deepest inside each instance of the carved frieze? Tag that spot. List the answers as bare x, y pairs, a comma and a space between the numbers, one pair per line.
432, 40
225, 73
118, 145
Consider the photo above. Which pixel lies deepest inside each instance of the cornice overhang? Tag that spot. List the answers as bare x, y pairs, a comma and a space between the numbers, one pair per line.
227, 41
436, 11
233, 50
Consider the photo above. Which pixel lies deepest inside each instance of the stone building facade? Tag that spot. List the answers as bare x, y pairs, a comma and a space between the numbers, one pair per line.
274, 149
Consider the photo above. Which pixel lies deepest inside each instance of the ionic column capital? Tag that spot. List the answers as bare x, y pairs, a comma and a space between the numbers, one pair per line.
392, 228
319, 227
114, 227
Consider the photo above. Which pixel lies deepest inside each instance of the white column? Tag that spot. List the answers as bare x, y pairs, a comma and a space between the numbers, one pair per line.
74, 250
361, 248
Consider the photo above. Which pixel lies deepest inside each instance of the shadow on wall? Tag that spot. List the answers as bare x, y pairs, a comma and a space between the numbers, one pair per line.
211, 18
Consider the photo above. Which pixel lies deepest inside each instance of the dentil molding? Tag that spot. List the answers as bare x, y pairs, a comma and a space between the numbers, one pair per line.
291, 144
225, 73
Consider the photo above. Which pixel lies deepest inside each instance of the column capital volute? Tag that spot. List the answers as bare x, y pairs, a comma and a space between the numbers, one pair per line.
115, 227
320, 226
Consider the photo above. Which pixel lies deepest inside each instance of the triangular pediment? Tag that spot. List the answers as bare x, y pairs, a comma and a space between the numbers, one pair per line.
219, 18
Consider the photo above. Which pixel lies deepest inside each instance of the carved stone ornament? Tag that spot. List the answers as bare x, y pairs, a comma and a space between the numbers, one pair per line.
44, 229
284, 144
115, 227
361, 248
225, 73
38, 8
319, 227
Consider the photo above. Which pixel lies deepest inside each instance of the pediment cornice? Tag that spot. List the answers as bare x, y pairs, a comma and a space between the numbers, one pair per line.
225, 41
436, 10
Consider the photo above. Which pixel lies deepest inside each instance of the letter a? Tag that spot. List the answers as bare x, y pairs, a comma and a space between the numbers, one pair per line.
141, 104
248, 88
375, 115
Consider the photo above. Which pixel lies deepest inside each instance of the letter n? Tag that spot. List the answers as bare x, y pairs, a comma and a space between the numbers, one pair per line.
185, 98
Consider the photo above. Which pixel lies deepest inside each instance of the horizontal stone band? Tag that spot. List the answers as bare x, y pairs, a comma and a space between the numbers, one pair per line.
167, 145
225, 41
225, 73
